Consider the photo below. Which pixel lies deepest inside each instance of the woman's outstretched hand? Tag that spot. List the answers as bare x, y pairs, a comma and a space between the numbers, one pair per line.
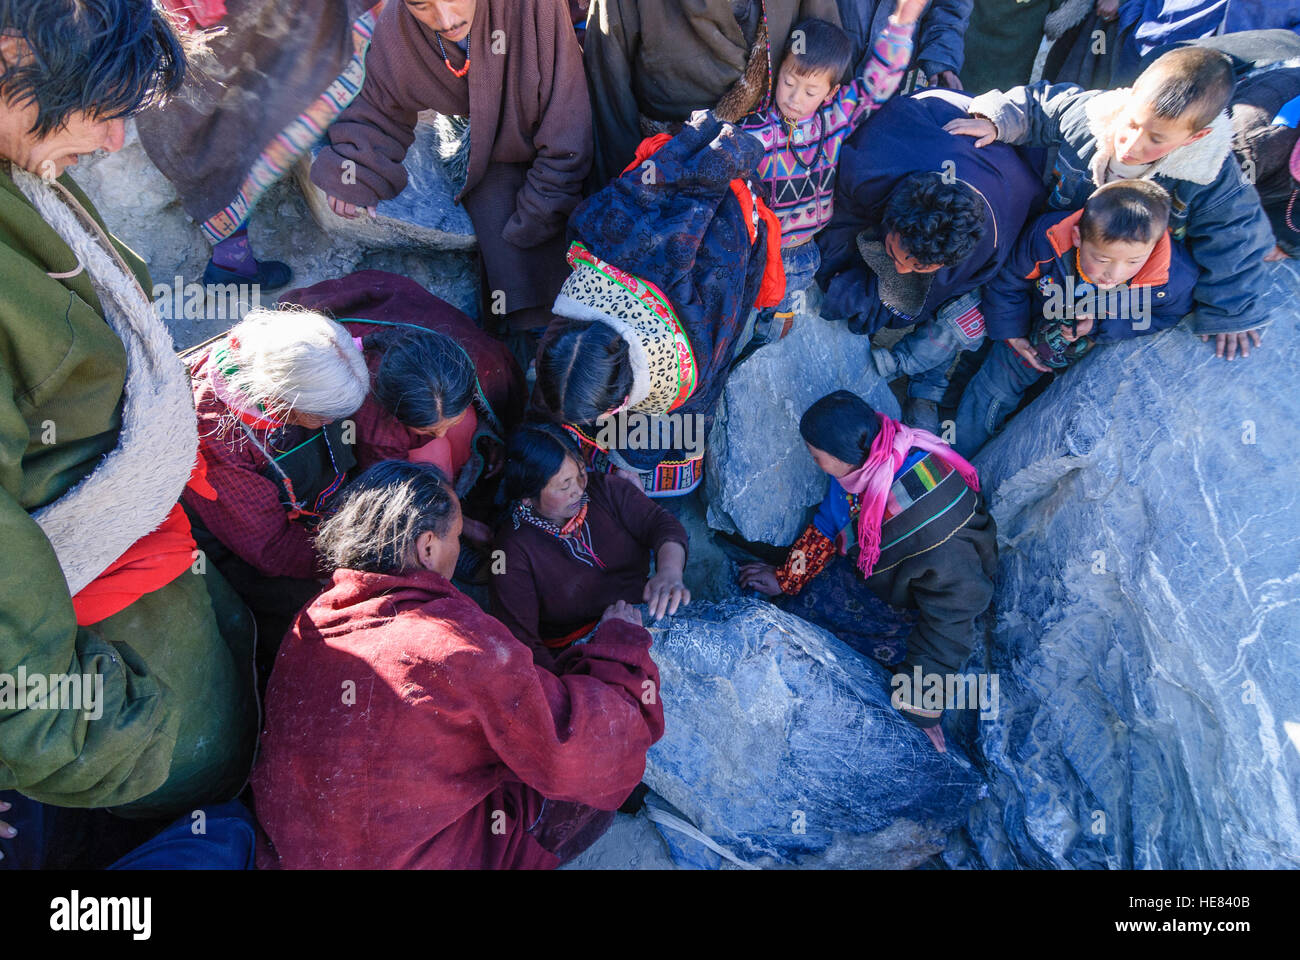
760, 577
664, 593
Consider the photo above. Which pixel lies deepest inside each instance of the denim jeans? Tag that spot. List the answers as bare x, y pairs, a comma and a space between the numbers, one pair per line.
990, 397
926, 353
801, 265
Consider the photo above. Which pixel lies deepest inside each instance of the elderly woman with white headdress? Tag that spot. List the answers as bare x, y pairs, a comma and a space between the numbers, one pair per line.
274, 396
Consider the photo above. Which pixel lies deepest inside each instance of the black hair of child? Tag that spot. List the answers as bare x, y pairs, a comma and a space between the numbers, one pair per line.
843, 425
1190, 84
818, 47
584, 372
1126, 211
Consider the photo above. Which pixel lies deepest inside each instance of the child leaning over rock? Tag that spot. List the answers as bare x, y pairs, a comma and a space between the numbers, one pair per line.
902, 539
1105, 273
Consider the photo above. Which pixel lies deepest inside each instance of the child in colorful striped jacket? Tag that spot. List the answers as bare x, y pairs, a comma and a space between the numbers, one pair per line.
810, 117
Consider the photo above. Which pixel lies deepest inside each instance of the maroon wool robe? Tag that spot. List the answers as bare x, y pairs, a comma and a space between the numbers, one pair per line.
450, 721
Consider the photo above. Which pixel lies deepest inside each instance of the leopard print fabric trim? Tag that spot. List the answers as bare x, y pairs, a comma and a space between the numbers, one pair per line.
639, 306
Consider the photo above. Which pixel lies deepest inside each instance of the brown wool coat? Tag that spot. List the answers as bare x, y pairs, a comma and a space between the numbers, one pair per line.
530, 132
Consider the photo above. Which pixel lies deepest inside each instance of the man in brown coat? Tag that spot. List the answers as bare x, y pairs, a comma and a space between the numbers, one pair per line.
515, 69
651, 65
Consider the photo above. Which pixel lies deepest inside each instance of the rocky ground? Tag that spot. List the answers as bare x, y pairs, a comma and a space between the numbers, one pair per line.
142, 209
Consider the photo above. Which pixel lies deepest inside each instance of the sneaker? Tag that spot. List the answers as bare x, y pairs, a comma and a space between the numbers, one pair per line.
922, 414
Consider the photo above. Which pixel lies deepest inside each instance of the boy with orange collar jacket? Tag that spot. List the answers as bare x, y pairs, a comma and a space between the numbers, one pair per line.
1169, 127
1106, 273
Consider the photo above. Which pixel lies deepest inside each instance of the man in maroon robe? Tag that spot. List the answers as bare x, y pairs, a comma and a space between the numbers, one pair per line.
406, 728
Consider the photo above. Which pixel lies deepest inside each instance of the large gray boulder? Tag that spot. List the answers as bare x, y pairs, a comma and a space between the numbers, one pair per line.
782, 747
759, 479
1147, 621
424, 216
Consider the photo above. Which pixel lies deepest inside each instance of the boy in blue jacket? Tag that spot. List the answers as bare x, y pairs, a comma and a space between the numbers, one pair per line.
1105, 273
1169, 127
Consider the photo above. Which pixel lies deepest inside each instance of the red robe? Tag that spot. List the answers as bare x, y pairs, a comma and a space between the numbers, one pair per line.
374, 295
400, 719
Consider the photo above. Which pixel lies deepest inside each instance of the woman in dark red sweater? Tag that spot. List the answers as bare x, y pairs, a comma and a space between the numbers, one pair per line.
575, 542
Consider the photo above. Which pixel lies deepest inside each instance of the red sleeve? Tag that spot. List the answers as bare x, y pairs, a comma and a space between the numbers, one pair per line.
247, 515
581, 735
808, 557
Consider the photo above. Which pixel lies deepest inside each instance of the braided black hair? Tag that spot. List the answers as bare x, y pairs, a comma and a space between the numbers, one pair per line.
584, 371
425, 377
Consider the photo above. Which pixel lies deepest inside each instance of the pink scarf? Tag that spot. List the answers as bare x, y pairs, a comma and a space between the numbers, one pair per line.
872, 480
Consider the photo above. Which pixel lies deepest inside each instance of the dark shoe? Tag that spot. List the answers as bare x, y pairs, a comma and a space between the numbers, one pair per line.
270, 275
635, 800
922, 414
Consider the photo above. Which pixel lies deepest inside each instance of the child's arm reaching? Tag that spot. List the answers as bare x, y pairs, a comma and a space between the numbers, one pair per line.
808, 556
1005, 300
1027, 116
890, 55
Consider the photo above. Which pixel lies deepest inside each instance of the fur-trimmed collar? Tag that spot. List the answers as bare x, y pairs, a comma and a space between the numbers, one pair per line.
1198, 162
1065, 17
135, 486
